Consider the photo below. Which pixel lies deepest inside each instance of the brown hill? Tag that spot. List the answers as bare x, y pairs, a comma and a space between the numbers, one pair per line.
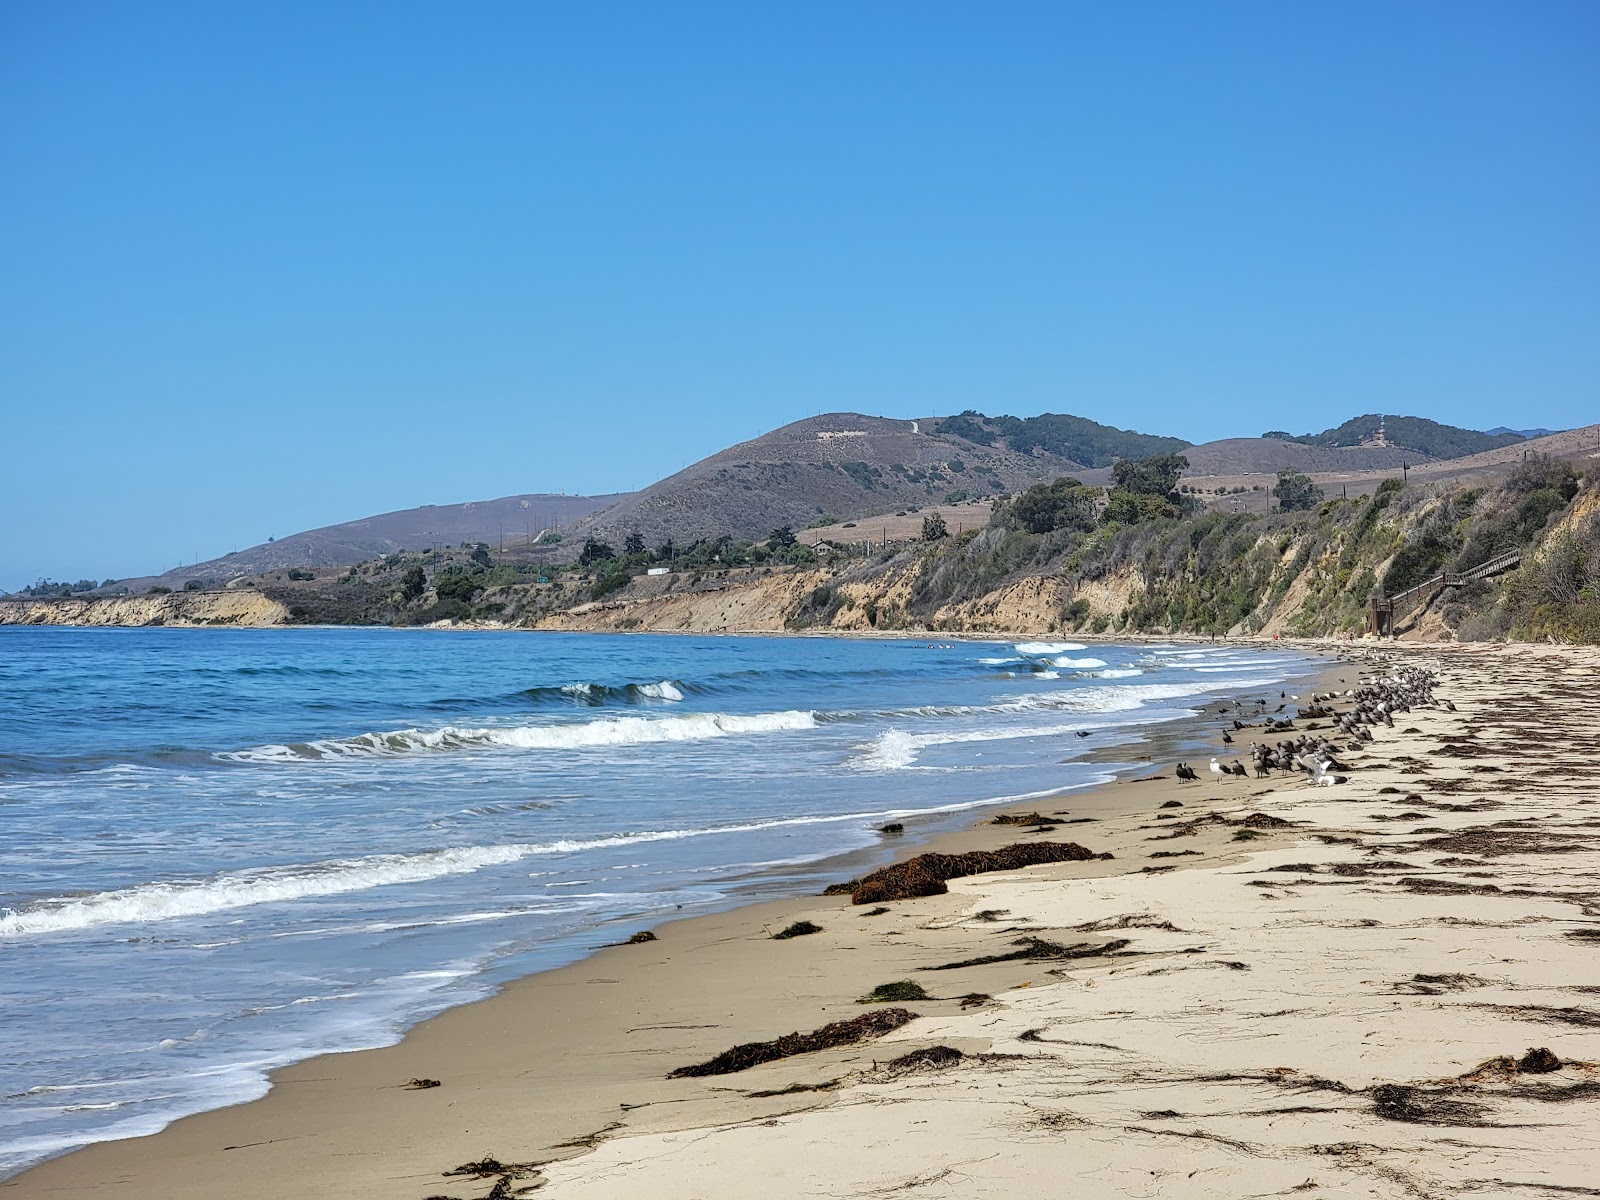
517, 520
845, 465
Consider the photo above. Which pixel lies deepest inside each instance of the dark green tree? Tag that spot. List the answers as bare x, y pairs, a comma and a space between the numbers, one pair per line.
1064, 504
413, 583
480, 554
456, 585
1296, 492
780, 538
1154, 476
634, 544
933, 527
595, 551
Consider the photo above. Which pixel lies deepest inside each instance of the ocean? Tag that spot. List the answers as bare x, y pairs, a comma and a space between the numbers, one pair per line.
227, 850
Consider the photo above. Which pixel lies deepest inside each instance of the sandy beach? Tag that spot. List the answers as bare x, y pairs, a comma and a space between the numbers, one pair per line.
1269, 989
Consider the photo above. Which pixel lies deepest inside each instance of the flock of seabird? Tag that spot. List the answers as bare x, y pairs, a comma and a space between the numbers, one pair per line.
1315, 755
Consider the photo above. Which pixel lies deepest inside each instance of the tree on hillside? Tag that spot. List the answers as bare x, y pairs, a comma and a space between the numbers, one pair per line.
1064, 504
634, 544
595, 551
1153, 476
780, 538
933, 527
1296, 492
413, 583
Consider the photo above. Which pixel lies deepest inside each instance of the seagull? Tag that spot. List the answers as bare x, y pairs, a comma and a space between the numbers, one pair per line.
1226, 736
1321, 778
1217, 769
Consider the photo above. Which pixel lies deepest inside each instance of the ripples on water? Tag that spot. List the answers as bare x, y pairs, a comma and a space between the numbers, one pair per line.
230, 849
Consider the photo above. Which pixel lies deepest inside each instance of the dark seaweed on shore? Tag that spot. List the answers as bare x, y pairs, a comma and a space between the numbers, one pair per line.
925, 874
840, 1033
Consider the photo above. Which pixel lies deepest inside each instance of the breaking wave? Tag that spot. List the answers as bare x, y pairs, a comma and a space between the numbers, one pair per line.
616, 731
596, 694
1036, 649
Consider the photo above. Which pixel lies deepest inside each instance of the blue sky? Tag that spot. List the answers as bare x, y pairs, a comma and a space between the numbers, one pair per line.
273, 266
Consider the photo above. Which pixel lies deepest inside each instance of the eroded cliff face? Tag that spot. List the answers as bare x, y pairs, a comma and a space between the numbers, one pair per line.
760, 605
241, 608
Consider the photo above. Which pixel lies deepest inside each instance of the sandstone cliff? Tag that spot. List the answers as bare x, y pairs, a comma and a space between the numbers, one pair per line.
242, 608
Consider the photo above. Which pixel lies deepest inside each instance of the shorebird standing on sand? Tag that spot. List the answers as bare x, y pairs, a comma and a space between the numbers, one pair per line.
1216, 769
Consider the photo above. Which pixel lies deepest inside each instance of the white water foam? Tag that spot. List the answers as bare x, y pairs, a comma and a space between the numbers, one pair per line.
616, 731
1118, 673
165, 901
1080, 664
1044, 648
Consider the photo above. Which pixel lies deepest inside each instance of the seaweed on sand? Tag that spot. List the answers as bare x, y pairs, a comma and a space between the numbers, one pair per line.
894, 993
925, 875
1424, 1106
868, 1025
1035, 949
929, 1057
798, 929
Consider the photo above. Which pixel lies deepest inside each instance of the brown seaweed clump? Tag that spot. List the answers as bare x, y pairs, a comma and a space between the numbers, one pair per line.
1539, 1061
930, 1057
898, 992
868, 1025
925, 875
798, 929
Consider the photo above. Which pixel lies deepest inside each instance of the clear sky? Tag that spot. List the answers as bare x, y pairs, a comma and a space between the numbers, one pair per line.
270, 266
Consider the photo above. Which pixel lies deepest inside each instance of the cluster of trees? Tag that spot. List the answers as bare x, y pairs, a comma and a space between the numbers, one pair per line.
1143, 489
41, 589
1076, 438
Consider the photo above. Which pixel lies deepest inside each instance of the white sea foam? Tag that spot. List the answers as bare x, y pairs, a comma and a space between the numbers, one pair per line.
1043, 648
1118, 673
169, 900
1080, 664
999, 662
615, 731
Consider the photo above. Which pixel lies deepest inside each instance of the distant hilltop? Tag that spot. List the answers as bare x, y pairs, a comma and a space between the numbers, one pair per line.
840, 467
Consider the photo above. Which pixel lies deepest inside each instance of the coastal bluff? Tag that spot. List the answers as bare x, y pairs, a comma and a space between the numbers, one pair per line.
189, 609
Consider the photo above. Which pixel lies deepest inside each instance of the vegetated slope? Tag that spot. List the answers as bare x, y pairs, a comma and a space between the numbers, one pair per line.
1307, 573
1076, 439
1410, 433
844, 465
516, 518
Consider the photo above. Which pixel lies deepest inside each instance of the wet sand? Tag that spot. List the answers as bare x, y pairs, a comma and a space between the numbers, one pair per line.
1302, 1009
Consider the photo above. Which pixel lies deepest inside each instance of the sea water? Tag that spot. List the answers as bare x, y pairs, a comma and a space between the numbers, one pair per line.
227, 850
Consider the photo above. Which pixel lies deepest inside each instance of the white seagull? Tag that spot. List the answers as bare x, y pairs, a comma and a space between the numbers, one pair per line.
1216, 769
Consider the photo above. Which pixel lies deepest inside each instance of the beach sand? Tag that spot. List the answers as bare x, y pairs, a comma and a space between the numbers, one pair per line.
1295, 1009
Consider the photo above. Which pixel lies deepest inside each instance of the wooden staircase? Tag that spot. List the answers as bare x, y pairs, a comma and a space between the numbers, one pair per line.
1383, 614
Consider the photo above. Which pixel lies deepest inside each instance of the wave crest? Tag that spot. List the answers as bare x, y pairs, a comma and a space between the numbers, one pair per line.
616, 731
